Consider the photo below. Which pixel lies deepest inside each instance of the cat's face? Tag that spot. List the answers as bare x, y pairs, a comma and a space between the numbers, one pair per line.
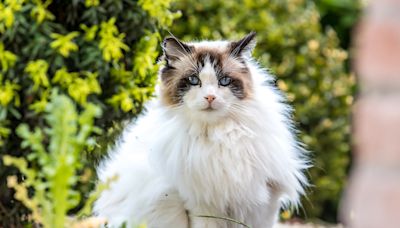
210, 80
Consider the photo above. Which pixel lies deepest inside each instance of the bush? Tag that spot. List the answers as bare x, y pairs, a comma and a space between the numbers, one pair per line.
53, 179
88, 65
341, 15
310, 68
62, 64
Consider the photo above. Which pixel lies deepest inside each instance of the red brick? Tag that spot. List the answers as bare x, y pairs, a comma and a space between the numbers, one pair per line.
374, 198
378, 43
377, 129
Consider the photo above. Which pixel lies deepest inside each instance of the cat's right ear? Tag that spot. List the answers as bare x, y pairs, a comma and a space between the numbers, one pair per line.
175, 49
243, 46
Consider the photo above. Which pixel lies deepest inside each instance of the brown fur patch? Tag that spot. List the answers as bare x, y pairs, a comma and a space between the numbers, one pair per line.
174, 74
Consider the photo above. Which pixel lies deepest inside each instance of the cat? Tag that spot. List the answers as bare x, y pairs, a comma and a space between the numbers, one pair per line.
217, 141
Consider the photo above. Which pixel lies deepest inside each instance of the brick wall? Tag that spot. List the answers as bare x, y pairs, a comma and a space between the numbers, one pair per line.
372, 198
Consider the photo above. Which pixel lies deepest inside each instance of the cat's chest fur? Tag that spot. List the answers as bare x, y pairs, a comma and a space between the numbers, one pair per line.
213, 164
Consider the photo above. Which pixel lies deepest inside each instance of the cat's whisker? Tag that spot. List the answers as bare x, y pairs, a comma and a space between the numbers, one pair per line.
190, 57
192, 62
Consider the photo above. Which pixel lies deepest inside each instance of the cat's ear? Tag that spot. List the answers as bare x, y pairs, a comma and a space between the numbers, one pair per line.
243, 46
175, 49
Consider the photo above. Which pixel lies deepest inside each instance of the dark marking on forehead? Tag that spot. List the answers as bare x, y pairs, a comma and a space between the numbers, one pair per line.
215, 58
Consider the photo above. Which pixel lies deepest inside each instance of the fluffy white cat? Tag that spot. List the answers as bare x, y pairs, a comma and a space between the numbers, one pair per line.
217, 141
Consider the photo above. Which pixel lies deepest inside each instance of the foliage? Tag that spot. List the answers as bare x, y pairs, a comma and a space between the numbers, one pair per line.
310, 68
68, 133
341, 15
62, 63
100, 56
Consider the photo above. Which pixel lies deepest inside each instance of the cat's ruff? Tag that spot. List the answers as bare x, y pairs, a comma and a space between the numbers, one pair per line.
235, 156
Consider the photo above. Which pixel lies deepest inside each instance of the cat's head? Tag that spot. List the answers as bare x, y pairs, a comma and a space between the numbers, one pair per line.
209, 79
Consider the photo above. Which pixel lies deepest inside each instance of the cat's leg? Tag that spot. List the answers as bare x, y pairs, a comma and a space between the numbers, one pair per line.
197, 221
168, 211
264, 215
140, 194
154, 202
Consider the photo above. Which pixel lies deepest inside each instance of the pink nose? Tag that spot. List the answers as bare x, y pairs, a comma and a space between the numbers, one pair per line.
210, 98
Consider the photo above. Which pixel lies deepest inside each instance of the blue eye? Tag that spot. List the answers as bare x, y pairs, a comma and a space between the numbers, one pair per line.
193, 80
225, 81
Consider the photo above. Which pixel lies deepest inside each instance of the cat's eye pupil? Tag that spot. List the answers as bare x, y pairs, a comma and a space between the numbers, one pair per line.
225, 81
193, 80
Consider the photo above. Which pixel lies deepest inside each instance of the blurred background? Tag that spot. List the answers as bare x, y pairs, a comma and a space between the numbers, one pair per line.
74, 72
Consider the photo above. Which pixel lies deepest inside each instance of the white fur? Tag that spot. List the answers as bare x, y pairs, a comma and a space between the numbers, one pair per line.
240, 160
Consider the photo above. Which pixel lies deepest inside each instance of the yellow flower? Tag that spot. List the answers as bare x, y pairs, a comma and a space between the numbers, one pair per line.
40, 105
40, 13
7, 58
122, 100
89, 3
78, 88
111, 42
313, 45
7, 10
90, 33
282, 85
145, 55
64, 78
81, 88
38, 73
15, 5
286, 214
8, 92
63, 43
7, 15
158, 10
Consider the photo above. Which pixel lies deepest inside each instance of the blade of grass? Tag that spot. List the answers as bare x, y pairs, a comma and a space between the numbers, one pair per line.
222, 218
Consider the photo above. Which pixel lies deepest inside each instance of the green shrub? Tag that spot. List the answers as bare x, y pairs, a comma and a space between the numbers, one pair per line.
341, 15
53, 179
100, 57
310, 68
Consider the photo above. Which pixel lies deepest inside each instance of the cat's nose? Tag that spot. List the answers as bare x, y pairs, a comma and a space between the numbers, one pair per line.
210, 98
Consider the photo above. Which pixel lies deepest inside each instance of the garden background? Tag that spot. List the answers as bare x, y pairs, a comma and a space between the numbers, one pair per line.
74, 72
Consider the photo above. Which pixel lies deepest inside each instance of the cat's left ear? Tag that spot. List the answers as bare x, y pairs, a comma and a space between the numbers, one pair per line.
243, 46
175, 49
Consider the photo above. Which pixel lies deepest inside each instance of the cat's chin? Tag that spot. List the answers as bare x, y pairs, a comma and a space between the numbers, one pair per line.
209, 115
208, 109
